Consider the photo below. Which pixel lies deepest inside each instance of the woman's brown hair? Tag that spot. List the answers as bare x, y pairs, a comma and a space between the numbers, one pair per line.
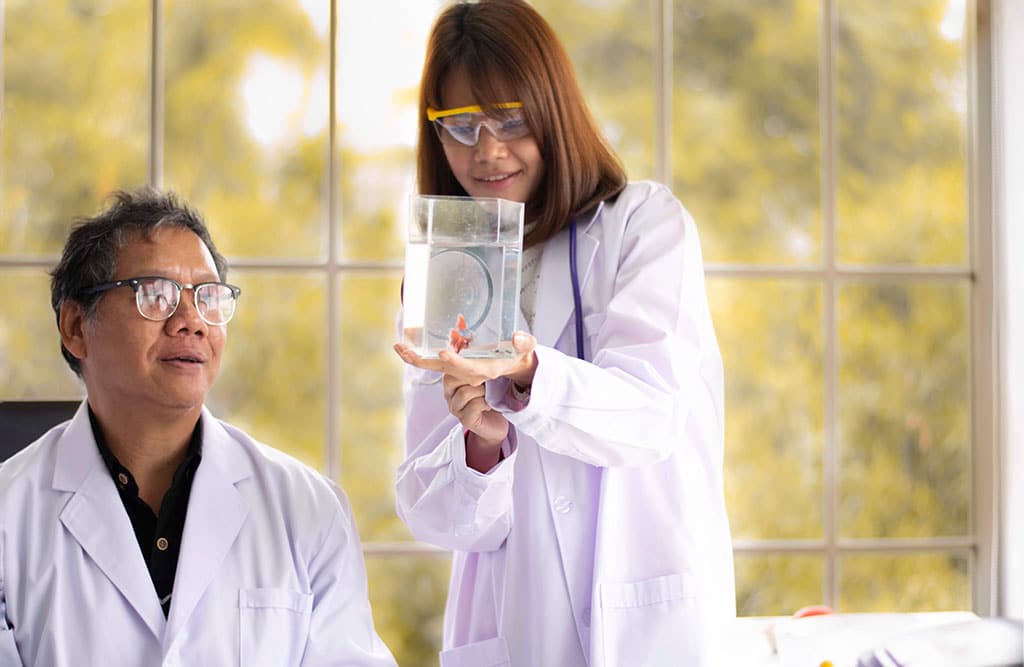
507, 45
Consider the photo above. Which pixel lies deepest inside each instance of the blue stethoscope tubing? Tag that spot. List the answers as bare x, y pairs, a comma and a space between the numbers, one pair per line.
575, 278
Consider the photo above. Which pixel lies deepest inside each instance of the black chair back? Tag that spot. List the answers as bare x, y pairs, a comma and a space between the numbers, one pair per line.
22, 422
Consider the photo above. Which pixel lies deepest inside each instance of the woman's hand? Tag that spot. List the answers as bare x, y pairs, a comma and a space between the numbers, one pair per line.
463, 387
469, 406
519, 368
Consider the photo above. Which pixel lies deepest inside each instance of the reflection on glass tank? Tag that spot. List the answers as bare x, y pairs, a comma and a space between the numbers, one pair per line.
462, 275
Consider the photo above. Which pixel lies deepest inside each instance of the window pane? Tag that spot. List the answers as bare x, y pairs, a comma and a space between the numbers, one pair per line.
906, 583
408, 595
745, 132
611, 44
272, 380
372, 414
777, 585
246, 121
904, 418
380, 58
902, 95
31, 364
770, 335
75, 114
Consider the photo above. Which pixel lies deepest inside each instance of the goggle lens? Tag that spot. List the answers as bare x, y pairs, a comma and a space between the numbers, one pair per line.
464, 128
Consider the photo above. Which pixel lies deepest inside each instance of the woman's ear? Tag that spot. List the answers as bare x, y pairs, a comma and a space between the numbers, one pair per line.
72, 328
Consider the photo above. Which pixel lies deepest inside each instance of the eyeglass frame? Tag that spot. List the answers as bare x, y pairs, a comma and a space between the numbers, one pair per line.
136, 282
436, 117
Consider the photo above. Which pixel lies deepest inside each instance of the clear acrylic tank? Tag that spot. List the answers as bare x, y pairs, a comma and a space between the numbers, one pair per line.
462, 275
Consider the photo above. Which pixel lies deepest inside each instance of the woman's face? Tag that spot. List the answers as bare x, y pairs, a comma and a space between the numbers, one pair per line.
507, 169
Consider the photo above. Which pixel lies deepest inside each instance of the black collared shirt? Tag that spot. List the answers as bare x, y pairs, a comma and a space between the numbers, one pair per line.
159, 535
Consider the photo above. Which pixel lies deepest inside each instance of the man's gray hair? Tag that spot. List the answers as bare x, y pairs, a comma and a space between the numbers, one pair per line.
90, 253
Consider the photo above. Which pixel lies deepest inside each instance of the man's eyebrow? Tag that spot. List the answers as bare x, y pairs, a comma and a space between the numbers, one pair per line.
159, 273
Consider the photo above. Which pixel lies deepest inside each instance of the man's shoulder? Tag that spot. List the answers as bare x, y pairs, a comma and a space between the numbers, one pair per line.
26, 479
33, 461
280, 471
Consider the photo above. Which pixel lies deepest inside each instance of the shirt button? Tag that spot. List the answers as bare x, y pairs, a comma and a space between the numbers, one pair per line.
586, 617
161, 544
123, 478
563, 505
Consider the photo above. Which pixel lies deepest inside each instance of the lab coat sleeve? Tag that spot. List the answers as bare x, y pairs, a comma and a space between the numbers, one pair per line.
441, 499
654, 358
8, 649
341, 628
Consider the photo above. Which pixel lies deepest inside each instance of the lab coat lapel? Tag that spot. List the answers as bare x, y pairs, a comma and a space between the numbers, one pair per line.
554, 291
216, 512
96, 518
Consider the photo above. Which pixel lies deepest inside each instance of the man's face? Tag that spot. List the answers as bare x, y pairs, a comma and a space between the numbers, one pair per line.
137, 364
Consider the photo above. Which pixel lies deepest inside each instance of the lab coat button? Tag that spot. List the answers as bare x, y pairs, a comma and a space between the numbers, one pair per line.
464, 529
563, 505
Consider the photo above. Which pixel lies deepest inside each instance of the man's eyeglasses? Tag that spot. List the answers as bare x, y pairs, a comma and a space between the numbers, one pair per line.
157, 298
462, 125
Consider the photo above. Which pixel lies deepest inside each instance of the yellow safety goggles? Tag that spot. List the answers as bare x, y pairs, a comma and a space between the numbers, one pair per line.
462, 124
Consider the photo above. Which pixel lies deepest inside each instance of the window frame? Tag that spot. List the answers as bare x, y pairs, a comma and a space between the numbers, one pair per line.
1007, 208
980, 544
997, 579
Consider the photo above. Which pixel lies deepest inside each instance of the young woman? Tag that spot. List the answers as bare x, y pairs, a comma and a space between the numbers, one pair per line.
579, 484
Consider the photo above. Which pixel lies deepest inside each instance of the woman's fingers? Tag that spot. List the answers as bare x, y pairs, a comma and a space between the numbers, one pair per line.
520, 367
460, 397
523, 343
469, 405
449, 384
477, 371
448, 362
466, 401
409, 356
479, 418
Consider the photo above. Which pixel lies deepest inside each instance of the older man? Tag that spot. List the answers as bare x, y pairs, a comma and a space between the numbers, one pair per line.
145, 531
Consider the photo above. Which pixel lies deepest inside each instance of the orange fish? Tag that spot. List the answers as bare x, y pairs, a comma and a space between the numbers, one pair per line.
460, 337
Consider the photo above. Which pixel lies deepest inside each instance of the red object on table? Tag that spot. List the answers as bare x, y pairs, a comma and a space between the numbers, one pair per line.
812, 610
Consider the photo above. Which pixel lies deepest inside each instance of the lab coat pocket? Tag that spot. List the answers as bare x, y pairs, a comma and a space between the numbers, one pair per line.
488, 653
8, 651
651, 623
273, 625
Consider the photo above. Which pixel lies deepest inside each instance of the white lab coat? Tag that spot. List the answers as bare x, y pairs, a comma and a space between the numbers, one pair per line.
270, 570
602, 537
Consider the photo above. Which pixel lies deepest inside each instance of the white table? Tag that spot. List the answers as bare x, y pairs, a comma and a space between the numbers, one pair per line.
782, 641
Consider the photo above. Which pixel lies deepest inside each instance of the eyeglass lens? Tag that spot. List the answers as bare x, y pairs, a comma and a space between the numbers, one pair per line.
158, 298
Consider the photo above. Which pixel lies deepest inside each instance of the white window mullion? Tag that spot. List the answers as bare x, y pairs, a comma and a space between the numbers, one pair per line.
1007, 22
663, 91
984, 516
156, 96
332, 457
845, 546
830, 458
